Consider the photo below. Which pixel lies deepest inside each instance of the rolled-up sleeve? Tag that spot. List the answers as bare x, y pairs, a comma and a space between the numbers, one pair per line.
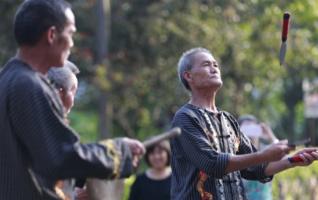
197, 148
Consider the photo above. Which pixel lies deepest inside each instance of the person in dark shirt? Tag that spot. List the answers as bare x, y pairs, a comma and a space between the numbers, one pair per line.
37, 147
211, 155
155, 183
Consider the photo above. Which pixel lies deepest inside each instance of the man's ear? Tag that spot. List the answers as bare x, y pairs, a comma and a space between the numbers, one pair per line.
51, 35
187, 76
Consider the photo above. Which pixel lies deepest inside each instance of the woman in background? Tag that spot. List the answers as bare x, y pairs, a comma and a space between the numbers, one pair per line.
155, 183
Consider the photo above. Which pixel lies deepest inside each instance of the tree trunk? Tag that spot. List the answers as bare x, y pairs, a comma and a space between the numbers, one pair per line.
104, 189
102, 43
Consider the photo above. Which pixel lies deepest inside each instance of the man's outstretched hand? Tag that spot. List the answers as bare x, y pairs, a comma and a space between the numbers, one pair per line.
276, 151
304, 157
137, 150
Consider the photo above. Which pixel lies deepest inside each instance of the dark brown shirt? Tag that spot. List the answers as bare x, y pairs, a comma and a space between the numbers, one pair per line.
37, 148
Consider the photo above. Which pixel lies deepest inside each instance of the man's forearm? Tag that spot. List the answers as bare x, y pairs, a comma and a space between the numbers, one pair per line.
239, 162
277, 166
274, 152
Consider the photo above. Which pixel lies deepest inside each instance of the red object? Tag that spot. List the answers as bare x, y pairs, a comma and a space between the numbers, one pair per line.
297, 158
285, 26
283, 46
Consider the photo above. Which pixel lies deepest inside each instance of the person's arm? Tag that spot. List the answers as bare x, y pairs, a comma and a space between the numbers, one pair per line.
308, 155
197, 149
273, 152
52, 147
249, 161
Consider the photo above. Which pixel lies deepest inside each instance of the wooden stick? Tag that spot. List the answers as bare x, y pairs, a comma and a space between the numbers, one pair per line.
163, 136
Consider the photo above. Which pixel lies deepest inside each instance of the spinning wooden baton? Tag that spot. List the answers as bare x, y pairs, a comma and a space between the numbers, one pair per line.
163, 136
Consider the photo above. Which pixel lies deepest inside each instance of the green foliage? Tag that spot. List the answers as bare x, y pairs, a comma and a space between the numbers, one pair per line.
7, 44
128, 183
296, 184
148, 37
85, 124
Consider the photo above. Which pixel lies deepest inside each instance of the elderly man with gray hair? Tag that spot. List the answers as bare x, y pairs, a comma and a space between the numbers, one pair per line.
65, 81
211, 155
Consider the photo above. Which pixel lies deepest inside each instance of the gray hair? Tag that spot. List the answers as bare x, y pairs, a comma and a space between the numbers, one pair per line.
60, 76
186, 62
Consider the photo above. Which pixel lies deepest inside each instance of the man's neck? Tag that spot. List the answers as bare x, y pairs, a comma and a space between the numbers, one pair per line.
34, 58
204, 99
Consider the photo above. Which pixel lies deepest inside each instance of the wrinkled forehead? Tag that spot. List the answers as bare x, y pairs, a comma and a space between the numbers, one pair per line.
200, 57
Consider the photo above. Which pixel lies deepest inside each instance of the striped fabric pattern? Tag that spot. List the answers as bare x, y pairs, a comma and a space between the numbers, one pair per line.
194, 151
36, 147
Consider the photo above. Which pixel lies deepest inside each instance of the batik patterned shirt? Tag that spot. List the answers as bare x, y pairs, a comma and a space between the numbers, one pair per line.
201, 153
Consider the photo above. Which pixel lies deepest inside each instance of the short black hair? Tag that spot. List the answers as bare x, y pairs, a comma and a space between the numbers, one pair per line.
165, 146
34, 17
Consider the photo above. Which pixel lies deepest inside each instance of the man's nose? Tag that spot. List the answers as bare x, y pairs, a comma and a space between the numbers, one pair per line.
212, 69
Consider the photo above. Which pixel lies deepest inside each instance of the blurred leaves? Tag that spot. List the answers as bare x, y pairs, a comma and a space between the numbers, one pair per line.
148, 37
296, 184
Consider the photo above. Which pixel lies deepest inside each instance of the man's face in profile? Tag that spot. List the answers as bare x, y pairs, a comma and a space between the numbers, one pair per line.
64, 40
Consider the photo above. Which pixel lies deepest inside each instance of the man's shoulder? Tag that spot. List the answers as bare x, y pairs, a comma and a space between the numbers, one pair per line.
20, 80
19, 74
187, 113
186, 110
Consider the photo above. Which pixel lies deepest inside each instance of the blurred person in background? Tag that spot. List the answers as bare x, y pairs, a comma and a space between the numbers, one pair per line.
155, 183
65, 82
260, 135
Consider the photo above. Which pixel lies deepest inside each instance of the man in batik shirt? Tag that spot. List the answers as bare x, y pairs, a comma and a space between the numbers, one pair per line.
211, 155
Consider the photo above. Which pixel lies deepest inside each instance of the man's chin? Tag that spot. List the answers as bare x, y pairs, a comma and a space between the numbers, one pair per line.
218, 84
215, 86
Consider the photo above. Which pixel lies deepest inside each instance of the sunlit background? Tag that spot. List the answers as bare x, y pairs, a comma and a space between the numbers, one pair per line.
127, 51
